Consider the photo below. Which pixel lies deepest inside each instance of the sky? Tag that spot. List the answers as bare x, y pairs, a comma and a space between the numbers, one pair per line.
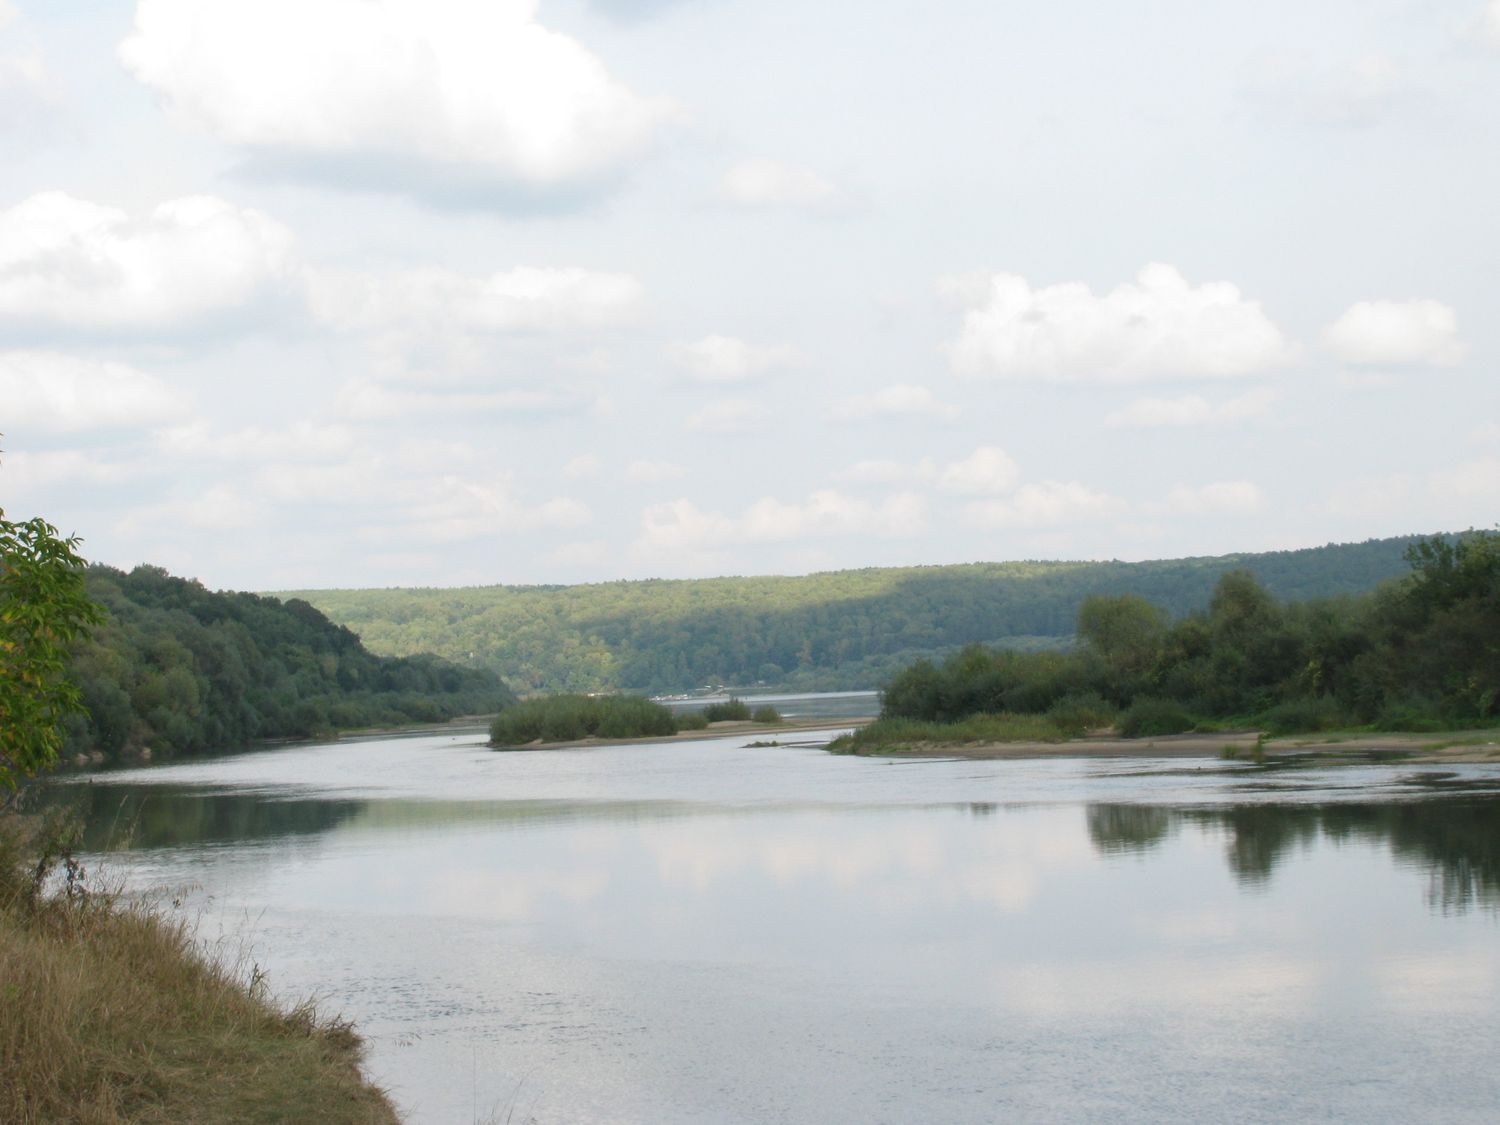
333, 293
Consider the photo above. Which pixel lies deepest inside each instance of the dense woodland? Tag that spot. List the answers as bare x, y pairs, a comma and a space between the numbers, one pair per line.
843, 629
176, 668
1415, 654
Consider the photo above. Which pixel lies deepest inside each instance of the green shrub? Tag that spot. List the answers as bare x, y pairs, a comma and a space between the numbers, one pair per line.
568, 718
1298, 716
692, 720
1147, 718
1075, 714
766, 714
731, 710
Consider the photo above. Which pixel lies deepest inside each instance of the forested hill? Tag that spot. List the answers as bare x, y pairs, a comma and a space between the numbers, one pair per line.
843, 629
177, 668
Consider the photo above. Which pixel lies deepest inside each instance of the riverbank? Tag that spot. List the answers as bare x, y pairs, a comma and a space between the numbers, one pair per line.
113, 1014
1455, 747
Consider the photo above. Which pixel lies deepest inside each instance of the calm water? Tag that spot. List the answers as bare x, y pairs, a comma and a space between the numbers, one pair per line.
705, 932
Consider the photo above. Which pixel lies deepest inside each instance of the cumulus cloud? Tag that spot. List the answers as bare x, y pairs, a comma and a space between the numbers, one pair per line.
1396, 333
1046, 504
899, 401
299, 440
882, 472
433, 300
653, 472
1231, 497
726, 359
681, 525
57, 393
989, 470
728, 416
1485, 27
1352, 92
1191, 410
24, 470
1158, 327
420, 95
74, 264
775, 184
370, 401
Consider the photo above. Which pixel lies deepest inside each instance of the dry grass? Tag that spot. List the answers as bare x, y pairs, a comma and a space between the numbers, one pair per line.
109, 1013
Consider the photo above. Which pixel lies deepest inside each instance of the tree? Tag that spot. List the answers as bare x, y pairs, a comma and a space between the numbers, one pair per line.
43, 610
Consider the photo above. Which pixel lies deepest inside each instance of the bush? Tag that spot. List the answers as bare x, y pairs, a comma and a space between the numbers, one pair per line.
1297, 716
731, 710
1075, 714
568, 718
766, 714
1147, 718
693, 720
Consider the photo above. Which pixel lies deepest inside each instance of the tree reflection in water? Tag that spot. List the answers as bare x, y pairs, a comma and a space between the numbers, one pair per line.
1456, 839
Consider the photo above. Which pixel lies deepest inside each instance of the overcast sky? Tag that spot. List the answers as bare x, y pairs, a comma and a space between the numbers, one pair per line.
430, 292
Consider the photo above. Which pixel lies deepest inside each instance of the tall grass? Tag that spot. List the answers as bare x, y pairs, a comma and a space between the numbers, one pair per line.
109, 1013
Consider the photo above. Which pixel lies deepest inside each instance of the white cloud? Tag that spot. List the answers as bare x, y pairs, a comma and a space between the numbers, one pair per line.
525, 299
298, 440
66, 394
653, 472
369, 401
987, 471
1231, 497
1191, 410
74, 264
681, 525
1047, 504
1485, 27
773, 183
1478, 479
1352, 92
23, 471
1396, 333
728, 416
389, 90
1159, 327
726, 359
877, 472
898, 401
585, 466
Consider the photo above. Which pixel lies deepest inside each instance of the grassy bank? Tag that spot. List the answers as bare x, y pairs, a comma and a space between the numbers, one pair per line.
109, 1014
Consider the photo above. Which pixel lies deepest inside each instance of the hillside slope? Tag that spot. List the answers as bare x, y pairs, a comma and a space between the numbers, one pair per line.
841, 629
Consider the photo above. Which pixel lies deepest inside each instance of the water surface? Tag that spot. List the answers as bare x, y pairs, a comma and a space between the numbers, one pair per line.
702, 931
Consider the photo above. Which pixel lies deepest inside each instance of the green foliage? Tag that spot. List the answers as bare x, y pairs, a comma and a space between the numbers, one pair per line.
44, 611
845, 629
570, 718
765, 713
1152, 718
888, 736
1422, 653
733, 709
180, 669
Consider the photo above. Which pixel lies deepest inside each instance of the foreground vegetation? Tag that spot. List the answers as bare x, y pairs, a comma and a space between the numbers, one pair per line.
573, 718
176, 668
1419, 654
110, 1014
845, 629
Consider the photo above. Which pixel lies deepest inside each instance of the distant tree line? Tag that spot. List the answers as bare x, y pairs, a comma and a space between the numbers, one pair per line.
1422, 652
843, 629
176, 668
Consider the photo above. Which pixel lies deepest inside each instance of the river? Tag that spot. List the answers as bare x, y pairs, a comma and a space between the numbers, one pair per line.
704, 931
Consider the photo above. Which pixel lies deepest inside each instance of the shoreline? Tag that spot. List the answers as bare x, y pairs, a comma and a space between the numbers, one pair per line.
1456, 747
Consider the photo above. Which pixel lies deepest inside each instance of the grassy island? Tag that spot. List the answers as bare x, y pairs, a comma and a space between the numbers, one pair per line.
576, 718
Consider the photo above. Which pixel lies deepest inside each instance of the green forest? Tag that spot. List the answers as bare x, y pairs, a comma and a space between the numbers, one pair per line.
1420, 653
176, 668
836, 630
